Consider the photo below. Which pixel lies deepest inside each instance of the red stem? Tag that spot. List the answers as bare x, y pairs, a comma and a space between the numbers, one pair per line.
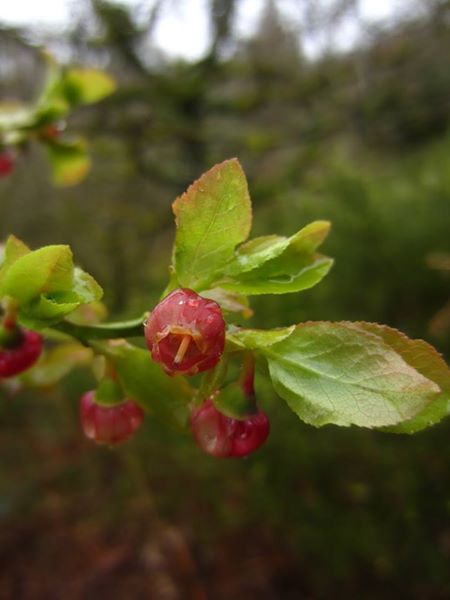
247, 380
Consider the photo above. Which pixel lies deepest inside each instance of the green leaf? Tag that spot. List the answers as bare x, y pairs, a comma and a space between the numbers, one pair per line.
213, 216
12, 251
85, 287
279, 265
47, 270
145, 382
69, 160
430, 415
77, 85
355, 373
256, 252
296, 276
425, 359
45, 283
87, 86
48, 309
253, 339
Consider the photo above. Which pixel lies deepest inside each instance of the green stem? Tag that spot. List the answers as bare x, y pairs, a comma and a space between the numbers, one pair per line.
212, 380
109, 392
108, 331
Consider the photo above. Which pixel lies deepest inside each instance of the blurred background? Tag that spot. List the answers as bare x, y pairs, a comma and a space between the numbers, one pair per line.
337, 109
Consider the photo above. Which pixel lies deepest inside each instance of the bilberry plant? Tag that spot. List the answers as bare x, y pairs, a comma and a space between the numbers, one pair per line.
362, 374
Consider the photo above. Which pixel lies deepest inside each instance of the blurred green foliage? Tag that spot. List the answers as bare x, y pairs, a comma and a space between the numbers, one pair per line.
360, 139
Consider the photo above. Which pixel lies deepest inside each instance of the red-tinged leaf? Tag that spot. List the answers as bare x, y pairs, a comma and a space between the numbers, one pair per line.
356, 373
213, 216
425, 359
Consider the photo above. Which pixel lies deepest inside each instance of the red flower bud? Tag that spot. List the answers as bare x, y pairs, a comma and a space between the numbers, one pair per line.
21, 353
186, 333
222, 436
109, 424
7, 163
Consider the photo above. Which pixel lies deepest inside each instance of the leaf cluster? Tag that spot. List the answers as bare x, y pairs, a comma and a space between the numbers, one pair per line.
65, 90
340, 373
329, 373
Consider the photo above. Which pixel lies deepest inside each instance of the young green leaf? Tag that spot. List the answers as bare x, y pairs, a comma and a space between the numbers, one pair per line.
48, 309
85, 287
77, 85
257, 252
69, 160
279, 265
294, 276
12, 251
213, 216
47, 270
355, 373
45, 283
86, 86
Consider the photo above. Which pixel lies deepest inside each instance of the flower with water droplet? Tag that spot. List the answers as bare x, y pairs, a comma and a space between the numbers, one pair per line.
186, 333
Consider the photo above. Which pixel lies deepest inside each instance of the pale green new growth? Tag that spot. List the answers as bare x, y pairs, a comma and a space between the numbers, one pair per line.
44, 283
